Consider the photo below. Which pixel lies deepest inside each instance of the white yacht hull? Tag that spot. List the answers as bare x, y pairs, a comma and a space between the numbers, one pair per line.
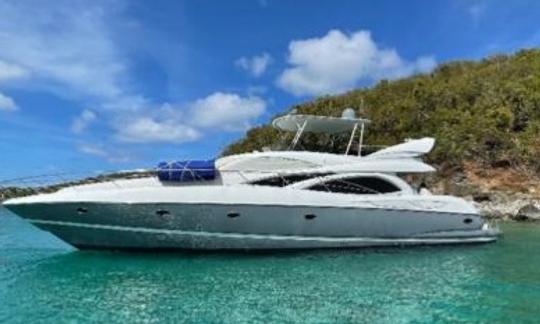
197, 226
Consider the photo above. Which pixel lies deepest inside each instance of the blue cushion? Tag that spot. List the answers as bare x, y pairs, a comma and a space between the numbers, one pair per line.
186, 171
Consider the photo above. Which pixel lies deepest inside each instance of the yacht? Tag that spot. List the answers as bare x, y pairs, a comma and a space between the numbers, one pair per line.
266, 200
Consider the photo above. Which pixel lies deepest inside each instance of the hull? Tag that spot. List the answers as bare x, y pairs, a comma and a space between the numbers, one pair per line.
248, 227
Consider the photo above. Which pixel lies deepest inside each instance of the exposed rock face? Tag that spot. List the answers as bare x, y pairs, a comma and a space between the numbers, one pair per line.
498, 194
530, 212
508, 206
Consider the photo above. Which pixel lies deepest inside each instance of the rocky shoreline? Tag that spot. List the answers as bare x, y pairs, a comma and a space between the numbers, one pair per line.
507, 206
498, 194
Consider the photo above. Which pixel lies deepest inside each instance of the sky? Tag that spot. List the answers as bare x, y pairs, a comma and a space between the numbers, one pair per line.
103, 85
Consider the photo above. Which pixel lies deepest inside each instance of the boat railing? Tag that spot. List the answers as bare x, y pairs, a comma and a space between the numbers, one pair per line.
51, 182
48, 183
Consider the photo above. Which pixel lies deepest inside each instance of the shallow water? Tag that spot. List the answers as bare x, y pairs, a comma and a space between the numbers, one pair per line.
44, 280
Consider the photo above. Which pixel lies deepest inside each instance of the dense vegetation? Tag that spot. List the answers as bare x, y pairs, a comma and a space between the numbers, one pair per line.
484, 111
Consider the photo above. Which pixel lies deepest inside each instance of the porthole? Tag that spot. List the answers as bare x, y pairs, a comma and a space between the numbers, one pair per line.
233, 214
162, 212
467, 220
82, 210
310, 216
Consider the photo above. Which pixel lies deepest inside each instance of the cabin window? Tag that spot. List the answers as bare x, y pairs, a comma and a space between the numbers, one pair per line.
360, 185
282, 181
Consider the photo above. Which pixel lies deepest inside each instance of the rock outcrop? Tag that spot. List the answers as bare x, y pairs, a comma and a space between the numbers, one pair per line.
508, 206
498, 193
530, 212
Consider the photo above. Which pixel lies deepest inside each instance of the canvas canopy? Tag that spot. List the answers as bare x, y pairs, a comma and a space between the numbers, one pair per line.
317, 124
187, 171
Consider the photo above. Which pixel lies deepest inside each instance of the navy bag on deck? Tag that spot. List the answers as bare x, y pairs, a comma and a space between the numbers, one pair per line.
186, 171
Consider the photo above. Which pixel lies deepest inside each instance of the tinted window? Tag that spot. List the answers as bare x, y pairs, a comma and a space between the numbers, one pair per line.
361, 185
282, 181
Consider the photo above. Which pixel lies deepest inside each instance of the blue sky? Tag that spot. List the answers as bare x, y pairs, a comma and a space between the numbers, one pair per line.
109, 85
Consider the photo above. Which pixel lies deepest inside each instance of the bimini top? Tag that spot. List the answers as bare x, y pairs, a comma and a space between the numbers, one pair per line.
317, 124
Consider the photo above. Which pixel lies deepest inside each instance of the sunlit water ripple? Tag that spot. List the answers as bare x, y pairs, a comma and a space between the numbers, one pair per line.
43, 280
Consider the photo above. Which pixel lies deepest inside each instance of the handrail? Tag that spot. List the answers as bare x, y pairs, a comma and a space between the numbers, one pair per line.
53, 179
82, 178
47, 183
72, 178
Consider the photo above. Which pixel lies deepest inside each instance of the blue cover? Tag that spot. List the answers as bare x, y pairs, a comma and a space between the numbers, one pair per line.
186, 171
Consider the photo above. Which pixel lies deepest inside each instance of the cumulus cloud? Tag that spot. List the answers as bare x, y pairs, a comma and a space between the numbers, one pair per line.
68, 44
81, 122
337, 62
71, 48
147, 129
226, 111
256, 65
68, 48
7, 103
179, 124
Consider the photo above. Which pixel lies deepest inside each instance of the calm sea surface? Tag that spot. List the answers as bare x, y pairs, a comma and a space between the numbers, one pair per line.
43, 280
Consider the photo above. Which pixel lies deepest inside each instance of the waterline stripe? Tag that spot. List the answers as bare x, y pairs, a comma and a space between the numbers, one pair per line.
223, 204
264, 236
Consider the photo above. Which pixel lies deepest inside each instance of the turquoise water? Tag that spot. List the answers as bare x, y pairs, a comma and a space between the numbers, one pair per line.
43, 280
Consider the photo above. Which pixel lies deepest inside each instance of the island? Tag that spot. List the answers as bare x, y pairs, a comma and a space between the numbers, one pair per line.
484, 115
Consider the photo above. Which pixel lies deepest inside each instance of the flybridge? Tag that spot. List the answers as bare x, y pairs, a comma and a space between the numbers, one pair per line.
323, 124
401, 158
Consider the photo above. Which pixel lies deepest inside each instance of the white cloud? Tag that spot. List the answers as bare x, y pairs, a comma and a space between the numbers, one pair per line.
81, 122
65, 44
10, 71
226, 111
337, 62
69, 48
7, 103
255, 65
173, 124
147, 129
72, 48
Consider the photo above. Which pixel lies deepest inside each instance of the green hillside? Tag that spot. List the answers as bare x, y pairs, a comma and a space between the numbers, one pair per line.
484, 111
